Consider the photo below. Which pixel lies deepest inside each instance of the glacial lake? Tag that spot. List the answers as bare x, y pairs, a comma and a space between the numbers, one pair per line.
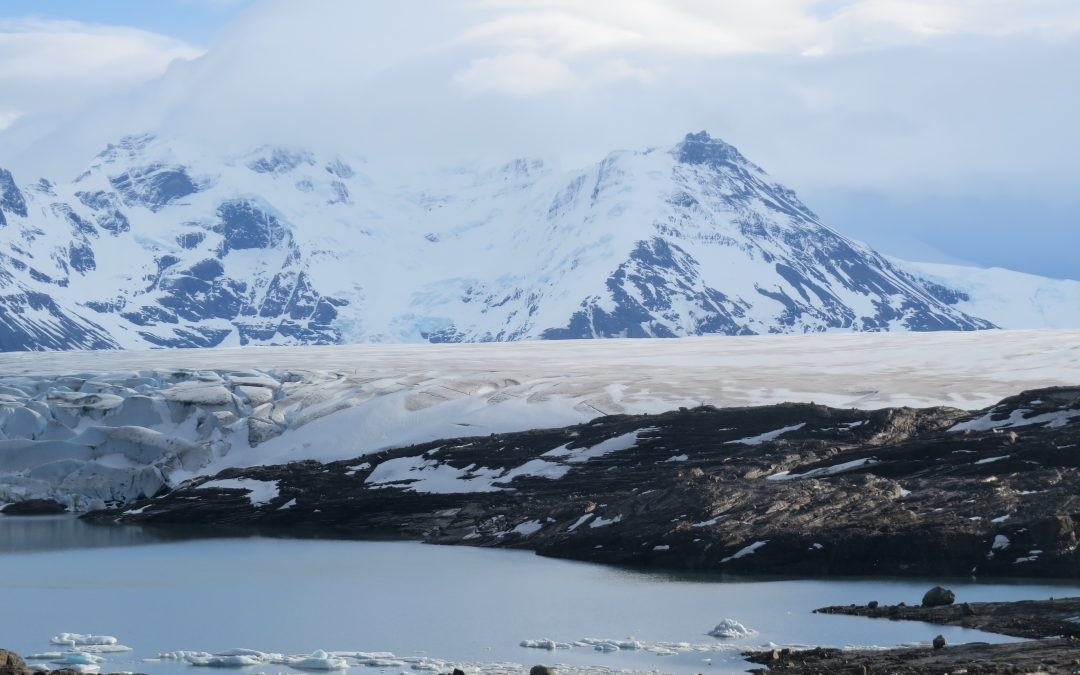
462, 605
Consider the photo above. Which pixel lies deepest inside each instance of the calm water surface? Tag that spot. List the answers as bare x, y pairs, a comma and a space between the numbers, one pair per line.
455, 603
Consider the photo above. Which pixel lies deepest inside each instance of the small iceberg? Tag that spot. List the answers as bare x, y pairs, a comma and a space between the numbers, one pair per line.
550, 645
216, 661
74, 639
318, 660
72, 658
732, 629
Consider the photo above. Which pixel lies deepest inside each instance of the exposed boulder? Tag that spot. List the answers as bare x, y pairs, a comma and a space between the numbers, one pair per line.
938, 596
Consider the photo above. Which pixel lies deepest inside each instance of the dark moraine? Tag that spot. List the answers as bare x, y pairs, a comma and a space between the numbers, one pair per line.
790, 489
1052, 625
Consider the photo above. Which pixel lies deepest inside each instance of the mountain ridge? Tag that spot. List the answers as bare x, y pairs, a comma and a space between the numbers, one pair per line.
160, 244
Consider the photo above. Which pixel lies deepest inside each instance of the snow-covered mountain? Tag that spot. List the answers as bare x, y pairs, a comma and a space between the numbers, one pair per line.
160, 243
1007, 298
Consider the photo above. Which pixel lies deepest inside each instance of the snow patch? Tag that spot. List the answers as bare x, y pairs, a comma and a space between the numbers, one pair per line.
259, 491
767, 436
745, 551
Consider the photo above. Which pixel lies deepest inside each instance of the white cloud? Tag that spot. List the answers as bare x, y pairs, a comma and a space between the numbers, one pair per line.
521, 73
50, 70
977, 85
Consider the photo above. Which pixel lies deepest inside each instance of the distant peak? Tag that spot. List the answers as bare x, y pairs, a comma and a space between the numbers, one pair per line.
701, 148
128, 146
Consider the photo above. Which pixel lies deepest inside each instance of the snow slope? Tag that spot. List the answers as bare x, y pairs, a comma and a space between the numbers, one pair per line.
89, 428
1006, 298
163, 243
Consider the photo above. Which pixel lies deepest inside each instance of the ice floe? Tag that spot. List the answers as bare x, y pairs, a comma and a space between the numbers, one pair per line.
732, 629
73, 639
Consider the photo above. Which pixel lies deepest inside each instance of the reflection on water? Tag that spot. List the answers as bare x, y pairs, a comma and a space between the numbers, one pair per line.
456, 603
24, 534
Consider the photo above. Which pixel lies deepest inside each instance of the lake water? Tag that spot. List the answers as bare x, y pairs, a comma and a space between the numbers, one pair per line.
466, 606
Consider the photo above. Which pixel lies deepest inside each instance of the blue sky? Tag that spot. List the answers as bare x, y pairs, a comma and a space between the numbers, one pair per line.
194, 21
939, 130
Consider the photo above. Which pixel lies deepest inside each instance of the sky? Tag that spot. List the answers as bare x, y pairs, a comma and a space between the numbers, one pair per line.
936, 130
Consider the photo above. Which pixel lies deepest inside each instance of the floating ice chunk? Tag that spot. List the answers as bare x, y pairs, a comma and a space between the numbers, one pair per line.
181, 655
104, 649
215, 661
263, 656
86, 668
1000, 542
987, 460
318, 660
259, 491
77, 657
287, 505
745, 551
661, 547
44, 656
677, 458
730, 628
1001, 519
767, 436
72, 639
550, 645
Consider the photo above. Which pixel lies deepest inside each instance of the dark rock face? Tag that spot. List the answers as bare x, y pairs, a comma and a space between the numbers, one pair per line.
154, 186
787, 489
34, 507
977, 658
938, 596
245, 225
11, 199
1029, 619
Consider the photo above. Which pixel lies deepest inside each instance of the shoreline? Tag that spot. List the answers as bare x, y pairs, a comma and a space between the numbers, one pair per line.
1050, 629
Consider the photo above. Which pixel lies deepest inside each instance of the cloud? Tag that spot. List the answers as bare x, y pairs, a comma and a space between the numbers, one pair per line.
52, 69
521, 73
899, 95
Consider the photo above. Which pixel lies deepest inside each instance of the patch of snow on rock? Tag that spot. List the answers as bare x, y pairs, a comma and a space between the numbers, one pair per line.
259, 491
767, 436
745, 551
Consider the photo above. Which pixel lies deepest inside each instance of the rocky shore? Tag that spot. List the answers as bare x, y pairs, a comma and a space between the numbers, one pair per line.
978, 658
797, 489
1052, 626
13, 664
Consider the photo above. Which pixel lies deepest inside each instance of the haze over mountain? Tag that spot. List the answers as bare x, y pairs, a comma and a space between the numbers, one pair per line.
160, 244
935, 131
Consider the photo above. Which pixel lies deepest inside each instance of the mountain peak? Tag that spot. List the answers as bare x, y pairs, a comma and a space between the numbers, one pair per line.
164, 242
701, 148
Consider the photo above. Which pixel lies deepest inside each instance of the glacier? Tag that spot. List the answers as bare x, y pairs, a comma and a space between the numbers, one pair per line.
163, 243
91, 429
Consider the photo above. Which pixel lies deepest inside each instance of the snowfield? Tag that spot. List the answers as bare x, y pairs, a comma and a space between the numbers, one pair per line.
90, 428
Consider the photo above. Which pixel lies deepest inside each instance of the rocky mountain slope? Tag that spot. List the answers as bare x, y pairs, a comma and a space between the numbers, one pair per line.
793, 489
163, 244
